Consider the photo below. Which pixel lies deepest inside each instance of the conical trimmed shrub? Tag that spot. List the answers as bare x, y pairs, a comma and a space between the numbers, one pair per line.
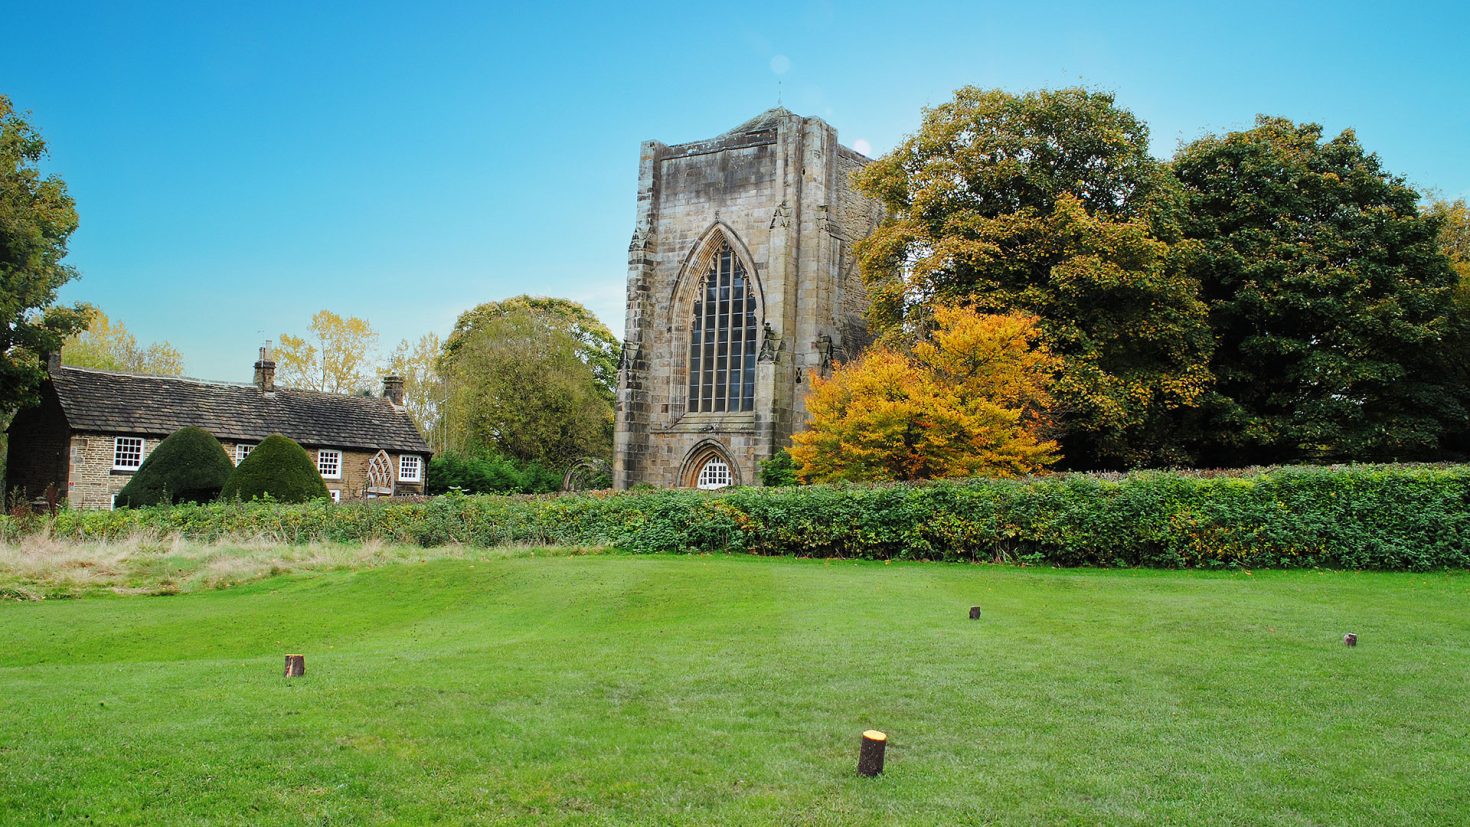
189, 466
277, 467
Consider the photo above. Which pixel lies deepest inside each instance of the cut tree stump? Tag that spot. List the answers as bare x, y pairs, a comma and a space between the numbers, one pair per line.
1350, 639
870, 756
974, 612
295, 666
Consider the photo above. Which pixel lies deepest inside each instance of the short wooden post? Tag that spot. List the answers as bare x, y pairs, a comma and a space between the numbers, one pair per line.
870, 757
295, 666
974, 612
1350, 639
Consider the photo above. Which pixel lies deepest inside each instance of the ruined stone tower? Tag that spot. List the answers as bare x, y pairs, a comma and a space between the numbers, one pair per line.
741, 280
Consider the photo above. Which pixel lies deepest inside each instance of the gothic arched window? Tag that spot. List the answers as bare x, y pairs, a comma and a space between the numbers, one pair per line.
715, 473
722, 338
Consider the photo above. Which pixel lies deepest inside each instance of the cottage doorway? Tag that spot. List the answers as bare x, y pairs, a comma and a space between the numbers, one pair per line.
380, 476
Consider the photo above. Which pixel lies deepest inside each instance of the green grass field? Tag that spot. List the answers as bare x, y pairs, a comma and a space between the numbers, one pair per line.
717, 690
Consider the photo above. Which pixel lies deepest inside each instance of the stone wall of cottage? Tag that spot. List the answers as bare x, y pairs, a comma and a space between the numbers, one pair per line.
37, 455
93, 482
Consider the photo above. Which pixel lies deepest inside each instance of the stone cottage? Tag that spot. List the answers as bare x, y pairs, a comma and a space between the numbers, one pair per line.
93, 428
741, 281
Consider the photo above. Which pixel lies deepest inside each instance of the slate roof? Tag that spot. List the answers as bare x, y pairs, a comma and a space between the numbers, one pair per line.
127, 403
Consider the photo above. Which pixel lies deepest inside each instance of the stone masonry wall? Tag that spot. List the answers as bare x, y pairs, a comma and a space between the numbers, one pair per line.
37, 450
778, 193
93, 482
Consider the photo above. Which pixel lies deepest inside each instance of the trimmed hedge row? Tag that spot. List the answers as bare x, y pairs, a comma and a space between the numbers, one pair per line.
1371, 517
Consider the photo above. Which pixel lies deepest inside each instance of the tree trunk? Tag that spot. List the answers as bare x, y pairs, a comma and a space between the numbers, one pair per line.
295, 666
870, 757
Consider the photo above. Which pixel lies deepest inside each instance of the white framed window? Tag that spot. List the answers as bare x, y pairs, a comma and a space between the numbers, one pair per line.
329, 463
714, 474
242, 451
410, 468
127, 453
336, 495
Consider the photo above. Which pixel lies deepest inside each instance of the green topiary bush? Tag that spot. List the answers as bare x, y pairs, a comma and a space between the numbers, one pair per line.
189, 466
277, 468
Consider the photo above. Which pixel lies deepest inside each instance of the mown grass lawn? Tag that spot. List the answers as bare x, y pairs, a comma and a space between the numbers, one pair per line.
702, 690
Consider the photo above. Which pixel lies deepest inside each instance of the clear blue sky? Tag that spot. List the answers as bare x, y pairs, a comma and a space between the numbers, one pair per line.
239, 166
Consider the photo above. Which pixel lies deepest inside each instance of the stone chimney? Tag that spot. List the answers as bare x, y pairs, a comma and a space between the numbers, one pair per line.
265, 371
53, 361
393, 390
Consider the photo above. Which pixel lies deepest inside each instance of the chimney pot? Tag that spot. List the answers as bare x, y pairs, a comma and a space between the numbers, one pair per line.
265, 371
393, 389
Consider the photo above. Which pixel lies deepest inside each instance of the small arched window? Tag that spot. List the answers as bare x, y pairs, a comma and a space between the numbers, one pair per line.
715, 473
722, 338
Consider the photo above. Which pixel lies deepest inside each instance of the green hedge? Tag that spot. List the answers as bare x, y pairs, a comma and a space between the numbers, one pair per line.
1386, 517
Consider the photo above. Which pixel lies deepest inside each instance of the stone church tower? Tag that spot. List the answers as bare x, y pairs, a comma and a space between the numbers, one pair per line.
741, 281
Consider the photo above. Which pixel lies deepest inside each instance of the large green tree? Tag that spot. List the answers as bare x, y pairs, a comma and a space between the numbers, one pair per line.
37, 216
518, 385
1454, 242
1049, 203
596, 345
1328, 296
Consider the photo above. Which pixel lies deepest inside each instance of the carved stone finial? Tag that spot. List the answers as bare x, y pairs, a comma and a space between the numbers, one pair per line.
628, 355
643, 239
781, 217
824, 354
770, 344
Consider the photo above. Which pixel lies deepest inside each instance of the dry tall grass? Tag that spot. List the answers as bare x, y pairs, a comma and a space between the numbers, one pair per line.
40, 567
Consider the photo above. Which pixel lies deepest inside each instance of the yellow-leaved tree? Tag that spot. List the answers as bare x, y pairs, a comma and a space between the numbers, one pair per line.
337, 356
970, 400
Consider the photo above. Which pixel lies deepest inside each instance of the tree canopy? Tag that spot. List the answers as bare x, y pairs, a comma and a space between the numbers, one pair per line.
337, 355
1048, 203
971, 399
596, 345
417, 363
1328, 297
37, 217
108, 345
519, 385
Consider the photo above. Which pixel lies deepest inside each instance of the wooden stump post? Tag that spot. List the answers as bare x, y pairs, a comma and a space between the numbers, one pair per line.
295, 666
1350, 639
870, 756
974, 612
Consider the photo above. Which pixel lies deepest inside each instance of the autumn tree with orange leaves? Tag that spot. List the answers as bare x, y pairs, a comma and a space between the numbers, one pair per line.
970, 400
